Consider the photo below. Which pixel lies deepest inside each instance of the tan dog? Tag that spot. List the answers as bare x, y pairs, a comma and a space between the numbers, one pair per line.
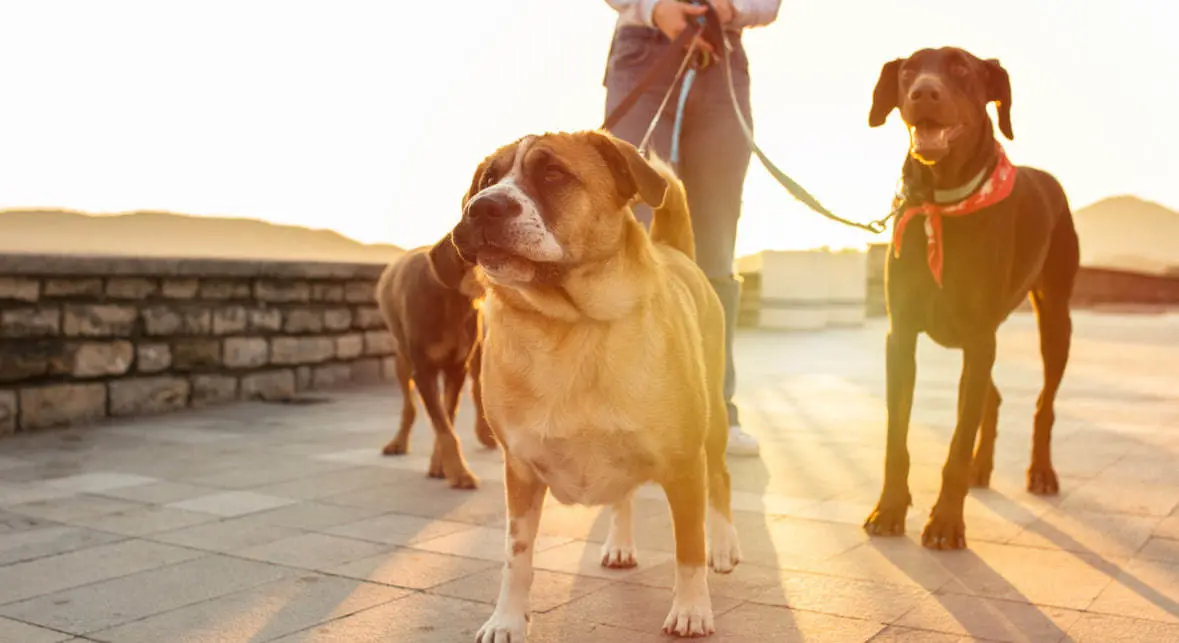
604, 357
428, 299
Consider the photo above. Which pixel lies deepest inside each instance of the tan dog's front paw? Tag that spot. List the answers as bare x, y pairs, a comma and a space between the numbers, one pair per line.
690, 619
724, 550
619, 556
504, 627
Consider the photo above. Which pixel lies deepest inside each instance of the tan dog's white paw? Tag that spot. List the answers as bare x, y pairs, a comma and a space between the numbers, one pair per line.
724, 549
619, 556
504, 627
690, 618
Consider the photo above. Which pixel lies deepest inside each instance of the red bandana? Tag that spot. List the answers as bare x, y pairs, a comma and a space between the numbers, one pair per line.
996, 188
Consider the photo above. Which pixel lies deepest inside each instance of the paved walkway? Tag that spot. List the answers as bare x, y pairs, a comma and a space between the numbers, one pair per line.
279, 522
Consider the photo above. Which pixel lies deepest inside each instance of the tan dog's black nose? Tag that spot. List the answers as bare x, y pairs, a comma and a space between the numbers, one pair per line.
492, 205
926, 89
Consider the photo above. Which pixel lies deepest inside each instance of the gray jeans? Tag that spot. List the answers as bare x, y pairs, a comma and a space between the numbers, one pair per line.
714, 156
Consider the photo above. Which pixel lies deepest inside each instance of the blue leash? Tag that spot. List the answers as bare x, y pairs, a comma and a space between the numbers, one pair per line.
689, 76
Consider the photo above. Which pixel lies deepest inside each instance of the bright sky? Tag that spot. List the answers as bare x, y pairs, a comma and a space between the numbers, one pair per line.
369, 117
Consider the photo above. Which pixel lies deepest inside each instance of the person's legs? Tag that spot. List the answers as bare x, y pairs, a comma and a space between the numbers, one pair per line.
715, 158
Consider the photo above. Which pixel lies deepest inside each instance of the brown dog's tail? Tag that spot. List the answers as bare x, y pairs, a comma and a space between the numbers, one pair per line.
673, 223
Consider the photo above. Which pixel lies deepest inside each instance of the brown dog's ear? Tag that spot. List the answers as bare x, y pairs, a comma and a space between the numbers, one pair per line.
445, 263
999, 91
884, 97
633, 176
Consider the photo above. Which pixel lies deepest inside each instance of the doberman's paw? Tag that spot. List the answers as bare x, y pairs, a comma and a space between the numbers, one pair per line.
485, 436
397, 446
886, 520
946, 529
1042, 480
463, 479
980, 474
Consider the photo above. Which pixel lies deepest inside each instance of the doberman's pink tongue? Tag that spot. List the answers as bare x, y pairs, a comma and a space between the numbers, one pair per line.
930, 139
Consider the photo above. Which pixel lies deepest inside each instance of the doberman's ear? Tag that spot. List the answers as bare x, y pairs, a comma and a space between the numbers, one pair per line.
445, 263
633, 176
885, 97
999, 92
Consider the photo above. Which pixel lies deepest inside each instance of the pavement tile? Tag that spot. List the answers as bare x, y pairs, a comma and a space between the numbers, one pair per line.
1112, 496
1161, 549
585, 558
323, 485
226, 536
421, 618
626, 606
397, 529
1103, 628
18, 632
556, 629
894, 634
99, 482
232, 503
143, 520
48, 539
314, 516
159, 493
112, 602
1103, 534
1168, 528
412, 569
268, 471
549, 589
485, 543
877, 602
989, 619
74, 508
747, 582
258, 614
72, 569
313, 551
1146, 589
751, 622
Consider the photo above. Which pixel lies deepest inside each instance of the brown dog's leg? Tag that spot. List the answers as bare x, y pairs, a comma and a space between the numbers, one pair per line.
984, 452
888, 519
453, 380
946, 528
1056, 329
400, 443
525, 495
447, 450
691, 607
482, 428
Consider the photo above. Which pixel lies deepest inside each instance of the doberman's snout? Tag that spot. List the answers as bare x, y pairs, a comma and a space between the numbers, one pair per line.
927, 89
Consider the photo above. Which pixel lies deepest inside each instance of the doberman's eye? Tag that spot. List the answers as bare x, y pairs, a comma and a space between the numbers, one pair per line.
959, 70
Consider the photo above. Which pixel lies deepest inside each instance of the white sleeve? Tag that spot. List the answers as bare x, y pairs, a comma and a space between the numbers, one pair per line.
635, 10
752, 13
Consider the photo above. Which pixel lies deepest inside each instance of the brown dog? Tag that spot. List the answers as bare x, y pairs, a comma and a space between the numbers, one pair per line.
604, 357
984, 235
429, 300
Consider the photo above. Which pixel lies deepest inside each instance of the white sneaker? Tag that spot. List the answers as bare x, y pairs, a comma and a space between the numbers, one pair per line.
741, 443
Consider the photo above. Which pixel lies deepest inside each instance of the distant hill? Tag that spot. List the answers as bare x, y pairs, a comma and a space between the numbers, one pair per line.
165, 234
1129, 233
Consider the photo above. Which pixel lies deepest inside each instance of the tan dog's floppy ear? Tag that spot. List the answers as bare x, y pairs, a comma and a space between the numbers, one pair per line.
999, 91
632, 174
885, 97
446, 264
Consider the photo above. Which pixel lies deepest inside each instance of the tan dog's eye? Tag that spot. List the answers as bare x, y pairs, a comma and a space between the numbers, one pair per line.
487, 180
554, 173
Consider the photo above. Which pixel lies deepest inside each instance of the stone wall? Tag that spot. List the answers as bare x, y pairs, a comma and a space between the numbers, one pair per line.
85, 338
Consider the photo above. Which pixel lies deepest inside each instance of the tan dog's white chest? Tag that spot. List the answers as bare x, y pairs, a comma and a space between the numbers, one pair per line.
591, 467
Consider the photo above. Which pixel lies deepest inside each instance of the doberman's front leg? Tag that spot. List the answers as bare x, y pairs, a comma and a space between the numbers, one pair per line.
888, 519
946, 528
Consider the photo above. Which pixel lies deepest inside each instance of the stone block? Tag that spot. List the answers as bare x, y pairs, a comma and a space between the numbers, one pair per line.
26, 359
99, 359
367, 371
360, 292
196, 354
331, 375
225, 290
230, 320
81, 287
161, 321
337, 319
301, 350
208, 390
303, 320
270, 386
265, 319
180, 288
368, 318
99, 320
282, 291
30, 322
153, 358
148, 395
8, 412
378, 342
130, 287
61, 404
246, 352
303, 375
327, 292
349, 346
19, 289
389, 368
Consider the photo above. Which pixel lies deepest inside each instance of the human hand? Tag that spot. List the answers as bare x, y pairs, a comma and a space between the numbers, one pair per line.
671, 17
724, 10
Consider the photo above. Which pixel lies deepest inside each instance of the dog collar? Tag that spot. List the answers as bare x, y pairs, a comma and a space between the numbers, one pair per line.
994, 189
